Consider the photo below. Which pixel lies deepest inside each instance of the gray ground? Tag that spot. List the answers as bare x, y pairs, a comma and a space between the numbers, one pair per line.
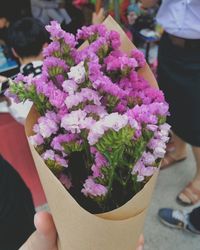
170, 182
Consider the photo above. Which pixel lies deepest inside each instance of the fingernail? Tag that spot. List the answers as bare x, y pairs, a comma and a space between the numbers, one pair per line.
140, 248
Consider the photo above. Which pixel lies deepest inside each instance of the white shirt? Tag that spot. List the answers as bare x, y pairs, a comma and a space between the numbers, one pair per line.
180, 18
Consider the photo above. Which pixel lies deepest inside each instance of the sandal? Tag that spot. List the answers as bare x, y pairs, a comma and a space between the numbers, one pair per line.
192, 193
170, 160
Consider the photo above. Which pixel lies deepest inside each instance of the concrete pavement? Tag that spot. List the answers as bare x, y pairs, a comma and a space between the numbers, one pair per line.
170, 182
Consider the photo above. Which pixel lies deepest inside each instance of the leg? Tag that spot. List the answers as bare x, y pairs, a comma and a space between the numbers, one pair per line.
194, 218
179, 146
176, 151
191, 194
196, 152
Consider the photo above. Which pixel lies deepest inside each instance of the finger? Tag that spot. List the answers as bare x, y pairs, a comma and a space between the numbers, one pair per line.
141, 239
44, 238
140, 245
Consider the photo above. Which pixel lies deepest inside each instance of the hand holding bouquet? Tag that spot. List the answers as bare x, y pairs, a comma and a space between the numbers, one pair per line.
101, 128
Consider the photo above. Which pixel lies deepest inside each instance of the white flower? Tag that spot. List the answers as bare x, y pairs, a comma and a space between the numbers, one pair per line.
48, 155
159, 152
148, 158
164, 129
115, 121
73, 100
72, 122
77, 73
69, 86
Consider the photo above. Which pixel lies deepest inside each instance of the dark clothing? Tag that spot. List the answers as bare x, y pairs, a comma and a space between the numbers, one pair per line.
76, 16
179, 78
4, 35
194, 218
16, 208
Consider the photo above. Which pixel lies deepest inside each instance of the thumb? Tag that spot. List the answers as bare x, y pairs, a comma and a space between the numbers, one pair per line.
45, 237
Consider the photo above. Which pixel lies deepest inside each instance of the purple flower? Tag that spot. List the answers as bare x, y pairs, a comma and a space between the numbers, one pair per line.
55, 30
48, 155
36, 140
122, 62
142, 171
100, 161
98, 110
60, 139
61, 161
139, 56
8, 93
46, 127
87, 32
70, 86
142, 114
148, 158
52, 49
53, 66
92, 189
65, 180
86, 94
115, 39
57, 98
69, 40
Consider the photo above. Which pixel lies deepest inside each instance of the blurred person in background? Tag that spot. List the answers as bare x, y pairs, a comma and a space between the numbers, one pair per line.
47, 10
27, 38
10, 12
179, 78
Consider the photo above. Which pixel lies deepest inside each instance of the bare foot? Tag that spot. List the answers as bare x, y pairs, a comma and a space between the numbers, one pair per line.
191, 194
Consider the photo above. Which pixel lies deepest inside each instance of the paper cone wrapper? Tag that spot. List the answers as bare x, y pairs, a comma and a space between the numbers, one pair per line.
78, 229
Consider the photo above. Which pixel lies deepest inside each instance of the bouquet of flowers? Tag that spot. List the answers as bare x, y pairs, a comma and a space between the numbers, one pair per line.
100, 126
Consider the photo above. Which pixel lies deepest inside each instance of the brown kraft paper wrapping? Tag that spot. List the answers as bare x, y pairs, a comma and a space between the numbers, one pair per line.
78, 229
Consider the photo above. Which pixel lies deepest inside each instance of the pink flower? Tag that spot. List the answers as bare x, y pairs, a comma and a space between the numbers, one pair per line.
70, 86
85, 95
46, 127
139, 56
49, 155
63, 138
142, 171
92, 189
113, 121
65, 180
36, 140
57, 98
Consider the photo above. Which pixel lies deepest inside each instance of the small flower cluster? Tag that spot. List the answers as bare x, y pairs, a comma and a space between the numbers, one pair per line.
96, 108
